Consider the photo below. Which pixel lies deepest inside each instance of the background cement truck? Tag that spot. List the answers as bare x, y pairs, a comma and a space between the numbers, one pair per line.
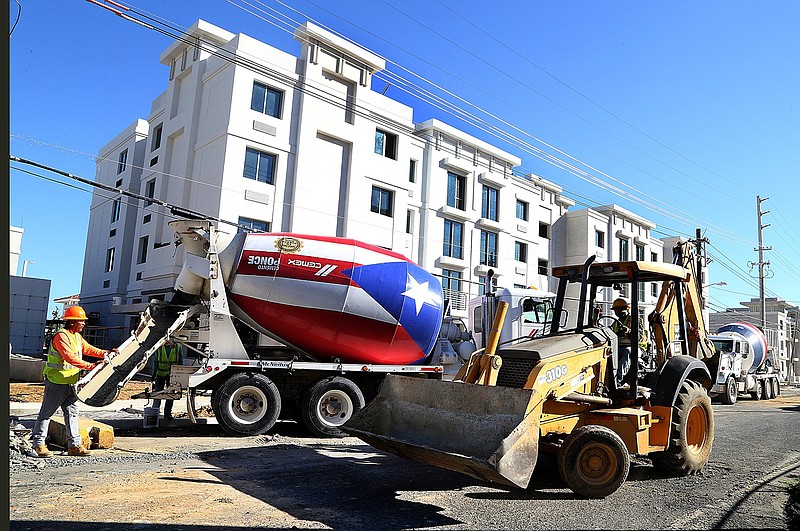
743, 364
297, 326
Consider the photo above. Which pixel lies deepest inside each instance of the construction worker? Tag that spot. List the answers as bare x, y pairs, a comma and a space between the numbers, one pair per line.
622, 327
62, 370
168, 354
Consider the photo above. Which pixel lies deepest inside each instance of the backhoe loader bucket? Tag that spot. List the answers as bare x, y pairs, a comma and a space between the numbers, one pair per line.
487, 432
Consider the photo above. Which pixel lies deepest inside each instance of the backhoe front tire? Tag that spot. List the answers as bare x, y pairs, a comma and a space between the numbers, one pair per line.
246, 404
328, 404
691, 433
731, 391
594, 461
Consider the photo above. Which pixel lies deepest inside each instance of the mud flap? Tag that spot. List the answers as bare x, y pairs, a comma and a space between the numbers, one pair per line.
487, 432
101, 386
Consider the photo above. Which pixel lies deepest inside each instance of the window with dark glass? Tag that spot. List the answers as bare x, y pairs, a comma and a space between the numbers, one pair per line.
382, 201
412, 171
150, 191
409, 221
456, 191
453, 239
156, 143
623, 249
122, 162
520, 252
488, 253
489, 203
544, 230
640, 253
110, 259
451, 279
386, 144
141, 255
522, 210
115, 209
259, 166
266, 100
600, 239
543, 266
253, 225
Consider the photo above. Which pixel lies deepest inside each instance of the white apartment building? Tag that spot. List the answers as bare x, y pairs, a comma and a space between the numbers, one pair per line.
250, 134
612, 233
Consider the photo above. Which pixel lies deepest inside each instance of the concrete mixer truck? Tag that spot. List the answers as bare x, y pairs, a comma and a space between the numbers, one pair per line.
743, 364
298, 326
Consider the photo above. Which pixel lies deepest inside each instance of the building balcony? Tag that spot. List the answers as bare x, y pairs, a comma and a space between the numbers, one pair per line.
457, 299
454, 213
448, 262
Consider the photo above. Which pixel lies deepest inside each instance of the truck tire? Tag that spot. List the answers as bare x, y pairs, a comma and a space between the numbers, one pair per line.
246, 404
731, 391
758, 392
328, 404
692, 432
594, 461
766, 389
776, 388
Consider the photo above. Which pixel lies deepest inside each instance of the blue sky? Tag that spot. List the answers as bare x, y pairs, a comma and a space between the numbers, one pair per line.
688, 109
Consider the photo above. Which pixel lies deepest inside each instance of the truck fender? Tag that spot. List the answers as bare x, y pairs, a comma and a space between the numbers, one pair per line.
666, 383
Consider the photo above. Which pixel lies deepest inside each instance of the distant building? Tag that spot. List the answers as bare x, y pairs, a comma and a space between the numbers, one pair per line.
14, 248
27, 305
303, 144
779, 328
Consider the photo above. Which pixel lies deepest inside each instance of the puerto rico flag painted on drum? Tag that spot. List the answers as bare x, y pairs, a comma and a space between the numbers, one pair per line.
337, 298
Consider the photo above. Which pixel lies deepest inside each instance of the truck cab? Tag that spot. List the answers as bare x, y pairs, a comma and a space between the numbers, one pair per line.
530, 312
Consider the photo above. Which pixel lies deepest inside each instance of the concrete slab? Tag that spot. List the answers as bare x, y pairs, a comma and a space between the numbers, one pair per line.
94, 434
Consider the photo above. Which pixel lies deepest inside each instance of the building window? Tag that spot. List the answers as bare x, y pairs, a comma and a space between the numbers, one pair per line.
156, 143
456, 191
112, 233
153, 161
640, 253
600, 239
543, 266
409, 222
106, 283
150, 191
412, 171
110, 259
115, 208
139, 276
141, 254
654, 289
488, 248
266, 100
451, 280
522, 210
122, 162
521, 252
386, 144
641, 291
118, 183
653, 257
544, 230
453, 239
252, 225
259, 166
623, 249
489, 203
482, 285
382, 201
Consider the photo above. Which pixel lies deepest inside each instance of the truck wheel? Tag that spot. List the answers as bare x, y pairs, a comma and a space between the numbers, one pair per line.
692, 432
246, 404
594, 462
328, 404
776, 388
731, 392
758, 392
766, 390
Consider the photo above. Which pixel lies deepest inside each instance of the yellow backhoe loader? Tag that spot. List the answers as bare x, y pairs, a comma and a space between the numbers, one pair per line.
560, 392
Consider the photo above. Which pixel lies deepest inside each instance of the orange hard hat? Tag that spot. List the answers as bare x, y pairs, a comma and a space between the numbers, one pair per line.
74, 313
620, 304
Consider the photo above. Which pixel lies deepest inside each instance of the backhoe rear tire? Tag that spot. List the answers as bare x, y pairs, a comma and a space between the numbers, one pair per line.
731, 391
246, 404
691, 433
594, 461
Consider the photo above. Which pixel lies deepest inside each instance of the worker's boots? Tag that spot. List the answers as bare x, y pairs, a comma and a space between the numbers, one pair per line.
79, 450
43, 451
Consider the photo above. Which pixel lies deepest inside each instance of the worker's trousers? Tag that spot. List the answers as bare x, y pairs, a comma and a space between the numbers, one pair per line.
57, 396
159, 384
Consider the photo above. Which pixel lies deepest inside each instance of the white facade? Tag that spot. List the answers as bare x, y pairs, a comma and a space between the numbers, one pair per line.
14, 248
612, 233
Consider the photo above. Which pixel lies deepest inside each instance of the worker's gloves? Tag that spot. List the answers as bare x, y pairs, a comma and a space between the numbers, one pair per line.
625, 330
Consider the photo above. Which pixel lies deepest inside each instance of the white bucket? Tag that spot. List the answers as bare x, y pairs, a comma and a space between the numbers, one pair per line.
150, 417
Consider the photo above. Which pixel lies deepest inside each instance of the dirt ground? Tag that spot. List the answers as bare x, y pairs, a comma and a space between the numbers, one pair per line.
32, 392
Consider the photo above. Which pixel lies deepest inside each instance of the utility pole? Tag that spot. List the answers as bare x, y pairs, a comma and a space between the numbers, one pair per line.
699, 243
761, 262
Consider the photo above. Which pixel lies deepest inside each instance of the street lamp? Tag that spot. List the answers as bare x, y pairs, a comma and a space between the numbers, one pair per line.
722, 283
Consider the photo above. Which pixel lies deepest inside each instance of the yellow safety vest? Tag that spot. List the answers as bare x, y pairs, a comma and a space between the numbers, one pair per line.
57, 369
166, 359
624, 341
